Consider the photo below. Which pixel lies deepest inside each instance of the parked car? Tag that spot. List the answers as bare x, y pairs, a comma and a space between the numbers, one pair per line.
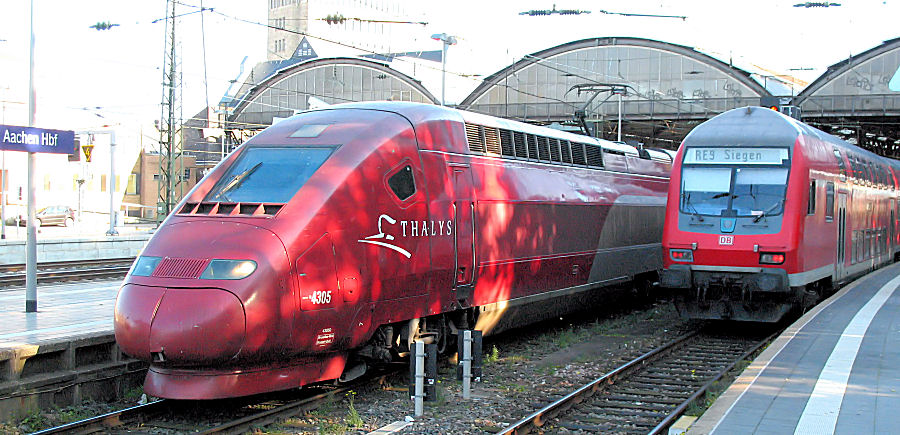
53, 215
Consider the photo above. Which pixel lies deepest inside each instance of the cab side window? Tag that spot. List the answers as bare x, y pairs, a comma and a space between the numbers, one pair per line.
829, 201
811, 205
402, 183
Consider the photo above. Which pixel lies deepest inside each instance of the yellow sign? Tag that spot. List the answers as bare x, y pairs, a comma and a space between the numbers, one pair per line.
87, 152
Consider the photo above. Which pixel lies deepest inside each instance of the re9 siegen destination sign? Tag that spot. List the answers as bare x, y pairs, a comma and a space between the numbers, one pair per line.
736, 155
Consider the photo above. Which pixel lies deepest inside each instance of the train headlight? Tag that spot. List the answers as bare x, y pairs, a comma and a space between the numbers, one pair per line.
685, 255
771, 258
144, 265
228, 269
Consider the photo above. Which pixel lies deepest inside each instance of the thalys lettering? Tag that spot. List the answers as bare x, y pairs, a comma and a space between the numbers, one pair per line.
409, 228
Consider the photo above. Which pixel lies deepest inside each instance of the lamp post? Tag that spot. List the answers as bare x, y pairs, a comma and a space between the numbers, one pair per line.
448, 41
112, 184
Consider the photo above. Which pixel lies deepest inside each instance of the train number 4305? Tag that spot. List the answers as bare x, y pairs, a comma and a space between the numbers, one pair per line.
320, 297
726, 240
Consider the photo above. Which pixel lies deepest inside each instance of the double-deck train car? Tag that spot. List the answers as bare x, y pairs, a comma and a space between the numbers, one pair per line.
767, 214
332, 240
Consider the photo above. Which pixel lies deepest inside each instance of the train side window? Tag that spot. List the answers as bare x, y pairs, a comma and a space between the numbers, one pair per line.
840, 161
402, 183
829, 201
811, 204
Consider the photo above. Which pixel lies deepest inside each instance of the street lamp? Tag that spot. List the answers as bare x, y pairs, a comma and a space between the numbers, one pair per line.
448, 41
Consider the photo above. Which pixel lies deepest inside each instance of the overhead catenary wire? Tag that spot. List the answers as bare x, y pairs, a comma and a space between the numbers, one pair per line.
515, 89
203, 37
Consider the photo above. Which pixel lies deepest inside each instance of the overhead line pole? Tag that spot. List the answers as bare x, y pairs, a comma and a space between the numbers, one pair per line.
169, 126
31, 232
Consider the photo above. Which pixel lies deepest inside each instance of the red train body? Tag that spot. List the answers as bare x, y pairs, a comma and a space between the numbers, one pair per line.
335, 238
766, 214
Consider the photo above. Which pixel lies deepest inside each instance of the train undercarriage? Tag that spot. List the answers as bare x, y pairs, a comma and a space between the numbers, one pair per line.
753, 297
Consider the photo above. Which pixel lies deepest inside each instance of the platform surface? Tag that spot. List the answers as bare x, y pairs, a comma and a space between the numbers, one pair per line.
64, 311
835, 370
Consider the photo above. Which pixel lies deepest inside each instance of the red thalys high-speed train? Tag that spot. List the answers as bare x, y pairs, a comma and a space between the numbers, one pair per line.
335, 238
767, 214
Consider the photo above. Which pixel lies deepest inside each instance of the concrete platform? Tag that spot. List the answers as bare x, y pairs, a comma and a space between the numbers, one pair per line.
836, 370
65, 352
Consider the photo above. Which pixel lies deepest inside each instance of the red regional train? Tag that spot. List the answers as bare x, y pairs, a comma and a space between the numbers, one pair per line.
767, 215
332, 240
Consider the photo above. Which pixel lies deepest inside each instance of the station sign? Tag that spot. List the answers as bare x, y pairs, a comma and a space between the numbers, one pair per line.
37, 140
736, 155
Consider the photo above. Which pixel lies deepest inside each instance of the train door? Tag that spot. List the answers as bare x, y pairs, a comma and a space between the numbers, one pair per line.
840, 270
893, 229
463, 230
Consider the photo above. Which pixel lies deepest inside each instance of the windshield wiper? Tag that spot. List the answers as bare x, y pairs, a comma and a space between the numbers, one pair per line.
236, 181
693, 210
767, 211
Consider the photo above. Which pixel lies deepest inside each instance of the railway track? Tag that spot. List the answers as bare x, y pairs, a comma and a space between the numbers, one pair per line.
227, 416
647, 394
60, 271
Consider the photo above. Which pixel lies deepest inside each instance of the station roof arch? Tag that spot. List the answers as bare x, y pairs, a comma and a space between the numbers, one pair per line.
664, 81
867, 84
332, 80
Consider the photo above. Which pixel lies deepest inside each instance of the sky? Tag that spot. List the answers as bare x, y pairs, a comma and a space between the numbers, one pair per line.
85, 78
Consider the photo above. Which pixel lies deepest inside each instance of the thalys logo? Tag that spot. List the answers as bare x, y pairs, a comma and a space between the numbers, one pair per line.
413, 228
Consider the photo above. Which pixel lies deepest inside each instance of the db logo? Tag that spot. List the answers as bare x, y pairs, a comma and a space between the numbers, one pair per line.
726, 240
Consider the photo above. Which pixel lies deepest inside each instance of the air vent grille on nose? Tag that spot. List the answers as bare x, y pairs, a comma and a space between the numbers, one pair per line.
180, 268
230, 209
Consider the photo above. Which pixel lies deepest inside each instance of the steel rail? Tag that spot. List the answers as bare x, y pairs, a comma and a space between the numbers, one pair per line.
679, 410
67, 264
67, 271
541, 416
103, 423
144, 414
245, 424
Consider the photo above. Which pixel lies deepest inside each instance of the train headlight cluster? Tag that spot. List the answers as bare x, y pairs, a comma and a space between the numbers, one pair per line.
144, 265
771, 258
685, 255
228, 269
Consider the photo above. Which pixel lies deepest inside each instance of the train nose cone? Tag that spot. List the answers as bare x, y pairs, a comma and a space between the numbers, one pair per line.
197, 326
180, 326
135, 306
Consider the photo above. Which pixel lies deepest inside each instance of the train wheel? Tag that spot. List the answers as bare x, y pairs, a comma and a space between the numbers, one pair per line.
431, 330
443, 334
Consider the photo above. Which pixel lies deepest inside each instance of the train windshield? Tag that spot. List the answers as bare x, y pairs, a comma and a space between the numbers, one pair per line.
733, 191
272, 174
